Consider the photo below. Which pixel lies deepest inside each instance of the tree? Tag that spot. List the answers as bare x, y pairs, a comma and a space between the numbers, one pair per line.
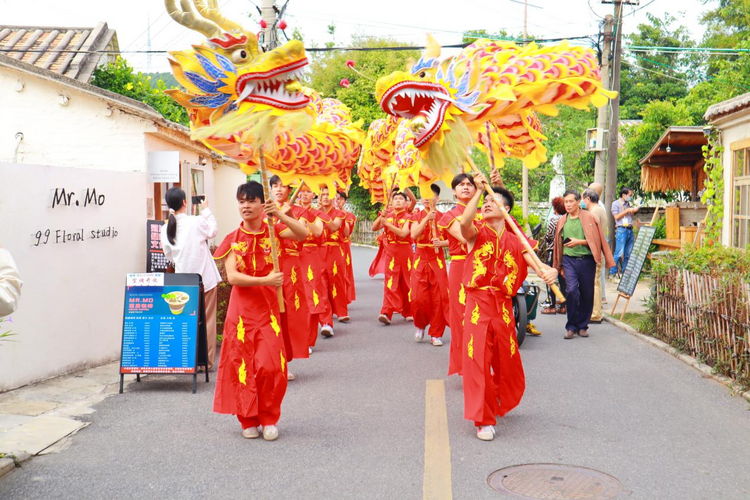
120, 77
655, 76
726, 27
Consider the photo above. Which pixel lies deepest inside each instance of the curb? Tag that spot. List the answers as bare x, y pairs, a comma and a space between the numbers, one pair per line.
706, 370
6, 465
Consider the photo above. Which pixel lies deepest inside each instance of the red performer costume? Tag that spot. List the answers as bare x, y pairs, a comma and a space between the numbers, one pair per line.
398, 258
334, 257
251, 378
350, 221
313, 267
429, 279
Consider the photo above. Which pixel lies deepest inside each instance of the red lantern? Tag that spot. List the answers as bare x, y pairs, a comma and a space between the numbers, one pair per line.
263, 24
282, 25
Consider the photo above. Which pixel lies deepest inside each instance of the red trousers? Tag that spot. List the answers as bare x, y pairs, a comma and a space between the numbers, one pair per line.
396, 289
456, 315
295, 320
251, 378
335, 277
494, 381
350, 290
429, 291
315, 291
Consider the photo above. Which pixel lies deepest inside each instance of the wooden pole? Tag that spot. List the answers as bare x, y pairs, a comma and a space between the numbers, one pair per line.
274, 243
433, 208
296, 193
521, 236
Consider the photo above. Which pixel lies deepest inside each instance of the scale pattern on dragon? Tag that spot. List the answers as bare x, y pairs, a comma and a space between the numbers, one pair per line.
239, 99
439, 108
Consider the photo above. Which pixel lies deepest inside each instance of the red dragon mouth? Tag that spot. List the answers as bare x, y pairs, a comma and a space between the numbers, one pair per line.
412, 99
269, 87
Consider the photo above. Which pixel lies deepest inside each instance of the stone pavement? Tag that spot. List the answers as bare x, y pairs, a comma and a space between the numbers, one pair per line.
37, 419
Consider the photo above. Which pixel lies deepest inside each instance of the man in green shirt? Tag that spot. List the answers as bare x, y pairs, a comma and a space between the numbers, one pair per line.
579, 246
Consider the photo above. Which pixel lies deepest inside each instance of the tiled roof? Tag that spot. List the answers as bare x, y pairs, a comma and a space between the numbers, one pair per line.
71, 52
727, 107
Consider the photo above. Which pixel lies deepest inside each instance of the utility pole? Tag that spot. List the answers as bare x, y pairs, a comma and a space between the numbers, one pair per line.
614, 129
602, 121
268, 14
525, 171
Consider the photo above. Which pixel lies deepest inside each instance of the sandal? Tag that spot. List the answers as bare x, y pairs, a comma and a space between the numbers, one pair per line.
549, 310
562, 310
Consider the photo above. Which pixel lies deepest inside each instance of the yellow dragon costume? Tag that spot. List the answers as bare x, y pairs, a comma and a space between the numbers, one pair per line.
438, 109
240, 99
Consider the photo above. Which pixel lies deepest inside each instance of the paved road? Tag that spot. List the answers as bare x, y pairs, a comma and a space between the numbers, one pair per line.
353, 425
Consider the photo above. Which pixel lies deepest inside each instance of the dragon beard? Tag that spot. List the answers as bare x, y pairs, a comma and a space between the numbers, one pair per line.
256, 129
446, 158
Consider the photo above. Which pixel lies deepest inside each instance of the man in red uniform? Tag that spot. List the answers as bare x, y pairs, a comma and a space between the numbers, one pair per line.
349, 221
295, 320
334, 257
314, 269
398, 258
429, 276
494, 380
251, 379
464, 189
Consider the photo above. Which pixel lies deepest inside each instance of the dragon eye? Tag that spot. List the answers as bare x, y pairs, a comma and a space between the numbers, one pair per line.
422, 74
239, 56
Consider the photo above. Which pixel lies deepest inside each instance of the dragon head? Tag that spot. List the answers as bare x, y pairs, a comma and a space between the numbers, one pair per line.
430, 93
227, 77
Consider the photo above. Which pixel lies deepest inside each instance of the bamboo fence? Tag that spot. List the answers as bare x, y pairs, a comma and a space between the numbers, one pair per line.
708, 317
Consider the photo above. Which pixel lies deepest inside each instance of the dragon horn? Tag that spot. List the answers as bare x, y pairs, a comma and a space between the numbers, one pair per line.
188, 17
212, 13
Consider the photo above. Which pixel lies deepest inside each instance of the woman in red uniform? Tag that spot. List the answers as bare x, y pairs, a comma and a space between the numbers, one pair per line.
349, 221
334, 257
251, 379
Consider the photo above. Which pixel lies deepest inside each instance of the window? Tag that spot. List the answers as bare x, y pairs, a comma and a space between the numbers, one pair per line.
741, 194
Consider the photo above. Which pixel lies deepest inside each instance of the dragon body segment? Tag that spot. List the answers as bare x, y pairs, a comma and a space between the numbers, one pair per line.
438, 108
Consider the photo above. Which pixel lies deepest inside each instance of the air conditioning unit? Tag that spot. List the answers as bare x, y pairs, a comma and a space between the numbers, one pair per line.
596, 139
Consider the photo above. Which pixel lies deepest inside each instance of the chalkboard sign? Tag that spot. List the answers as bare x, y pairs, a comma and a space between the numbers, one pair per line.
163, 326
155, 260
637, 258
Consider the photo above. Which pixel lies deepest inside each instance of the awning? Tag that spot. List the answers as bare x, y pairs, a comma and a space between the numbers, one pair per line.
675, 163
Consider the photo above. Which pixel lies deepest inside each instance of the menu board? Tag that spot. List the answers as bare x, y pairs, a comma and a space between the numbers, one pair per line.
632, 272
160, 329
155, 260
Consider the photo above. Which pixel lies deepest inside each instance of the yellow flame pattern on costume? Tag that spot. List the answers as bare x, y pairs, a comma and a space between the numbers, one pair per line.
334, 293
475, 315
241, 330
310, 275
390, 283
416, 262
283, 361
512, 345
490, 81
293, 275
242, 373
316, 299
512, 276
348, 261
335, 269
408, 264
506, 316
392, 263
470, 347
440, 263
275, 325
462, 295
296, 301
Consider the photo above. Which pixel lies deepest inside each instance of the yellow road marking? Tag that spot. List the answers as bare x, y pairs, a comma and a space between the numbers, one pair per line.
437, 451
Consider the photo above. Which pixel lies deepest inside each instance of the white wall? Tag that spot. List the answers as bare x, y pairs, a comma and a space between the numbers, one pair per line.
77, 135
70, 315
224, 205
736, 128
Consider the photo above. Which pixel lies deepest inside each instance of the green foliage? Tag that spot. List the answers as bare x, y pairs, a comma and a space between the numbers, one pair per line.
646, 77
120, 77
726, 27
717, 261
713, 196
5, 335
168, 78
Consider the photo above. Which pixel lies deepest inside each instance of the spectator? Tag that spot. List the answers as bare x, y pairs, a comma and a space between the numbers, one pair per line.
558, 210
184, 239
590, 202
10, 284
579, 245
624, 239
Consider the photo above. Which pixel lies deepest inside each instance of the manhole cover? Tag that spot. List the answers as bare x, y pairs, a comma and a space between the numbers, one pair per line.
554, 482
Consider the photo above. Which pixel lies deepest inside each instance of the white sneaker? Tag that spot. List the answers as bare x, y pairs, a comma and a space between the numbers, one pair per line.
250, 433
326, 331
309, 351
436, 341
419, 335
289, 375
485, 433
270, 433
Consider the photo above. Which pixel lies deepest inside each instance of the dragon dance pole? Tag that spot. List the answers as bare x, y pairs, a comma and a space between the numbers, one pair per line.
274, 243
522, 237
296, 193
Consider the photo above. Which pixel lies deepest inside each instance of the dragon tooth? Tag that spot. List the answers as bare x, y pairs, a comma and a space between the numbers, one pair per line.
245, 92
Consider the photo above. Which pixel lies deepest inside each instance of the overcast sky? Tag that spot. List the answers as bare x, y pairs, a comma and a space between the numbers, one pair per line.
404, 20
